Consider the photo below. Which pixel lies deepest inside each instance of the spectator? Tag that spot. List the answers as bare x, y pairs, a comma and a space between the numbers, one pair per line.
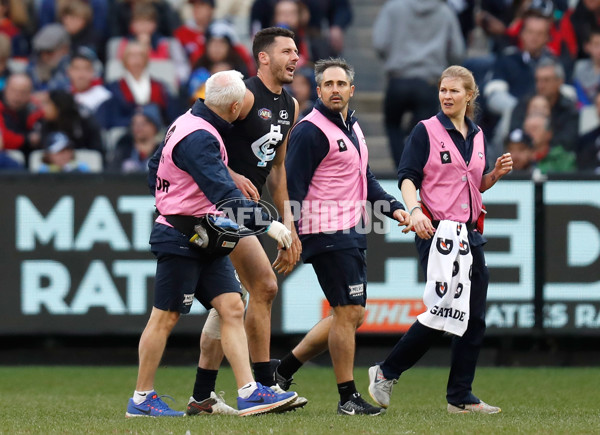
192, 33
59, 155
533, 105
61, 114
135, 148
538, 105
144, 29
76, 17
547, 158
336, 15
119, 20
553, 10
577, 24
85, 85
219, 49
19, 114
333, 15
50, 57
49, 12
286, 14
136, 88
588, 147
494, 17
520, 147
514, 75
14, 23
304, 89
417, 39
549, 81
586, 76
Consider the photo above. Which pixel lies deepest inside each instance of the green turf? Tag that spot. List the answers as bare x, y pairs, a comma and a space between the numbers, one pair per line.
79, 400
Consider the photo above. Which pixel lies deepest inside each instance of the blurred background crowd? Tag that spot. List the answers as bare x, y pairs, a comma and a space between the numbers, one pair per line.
90, 85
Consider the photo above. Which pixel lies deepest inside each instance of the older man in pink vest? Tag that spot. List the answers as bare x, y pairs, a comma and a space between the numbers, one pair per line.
189, 177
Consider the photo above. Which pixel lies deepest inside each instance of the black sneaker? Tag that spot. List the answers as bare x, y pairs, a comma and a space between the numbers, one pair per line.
283, 383
357, 405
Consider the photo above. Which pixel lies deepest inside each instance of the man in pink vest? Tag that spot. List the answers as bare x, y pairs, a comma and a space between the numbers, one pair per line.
329, 176
189, 177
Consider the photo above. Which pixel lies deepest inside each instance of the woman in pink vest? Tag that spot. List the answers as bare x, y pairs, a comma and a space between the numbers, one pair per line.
445, 159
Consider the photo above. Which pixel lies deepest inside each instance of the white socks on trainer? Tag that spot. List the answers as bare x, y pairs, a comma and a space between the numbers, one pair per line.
247, 390
140, 396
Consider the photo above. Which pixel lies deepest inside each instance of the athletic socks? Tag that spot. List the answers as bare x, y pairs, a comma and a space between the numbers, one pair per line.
289, 365
346, 390
247, 390
263, 373
140, 396
205, 383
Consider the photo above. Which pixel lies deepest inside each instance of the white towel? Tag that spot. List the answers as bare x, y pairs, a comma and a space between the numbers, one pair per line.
448, 287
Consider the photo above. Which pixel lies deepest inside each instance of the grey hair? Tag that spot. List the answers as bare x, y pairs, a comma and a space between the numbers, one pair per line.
323, 64
225, 88
546, 62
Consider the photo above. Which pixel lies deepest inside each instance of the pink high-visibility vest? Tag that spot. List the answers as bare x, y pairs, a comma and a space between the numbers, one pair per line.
450, 188
176, 191
337, 193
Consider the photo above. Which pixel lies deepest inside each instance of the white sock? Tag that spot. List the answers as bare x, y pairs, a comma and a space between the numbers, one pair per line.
247, 390
140, 396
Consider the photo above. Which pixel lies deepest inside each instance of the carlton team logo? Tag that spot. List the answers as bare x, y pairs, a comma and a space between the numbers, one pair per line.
463, 247
441, 288
265, 114
444, 246
445, 157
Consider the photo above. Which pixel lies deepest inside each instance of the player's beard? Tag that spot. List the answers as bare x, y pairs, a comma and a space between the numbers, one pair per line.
279, 71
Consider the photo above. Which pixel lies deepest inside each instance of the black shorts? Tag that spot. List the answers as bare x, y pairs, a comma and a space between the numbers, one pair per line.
342, 276
179, 279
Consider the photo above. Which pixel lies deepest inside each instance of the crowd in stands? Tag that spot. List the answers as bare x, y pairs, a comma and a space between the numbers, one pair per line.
104, 78
90, 85
538, 71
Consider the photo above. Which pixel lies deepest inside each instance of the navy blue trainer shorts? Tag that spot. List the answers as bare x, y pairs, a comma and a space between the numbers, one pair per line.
179, 279
343, 276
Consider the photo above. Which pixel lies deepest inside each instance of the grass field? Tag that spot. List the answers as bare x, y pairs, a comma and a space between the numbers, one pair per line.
80, 400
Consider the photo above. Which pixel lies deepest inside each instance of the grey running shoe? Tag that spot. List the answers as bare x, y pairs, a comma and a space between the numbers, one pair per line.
357, 405
300, 401
480, 408
380, 388
215, 404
